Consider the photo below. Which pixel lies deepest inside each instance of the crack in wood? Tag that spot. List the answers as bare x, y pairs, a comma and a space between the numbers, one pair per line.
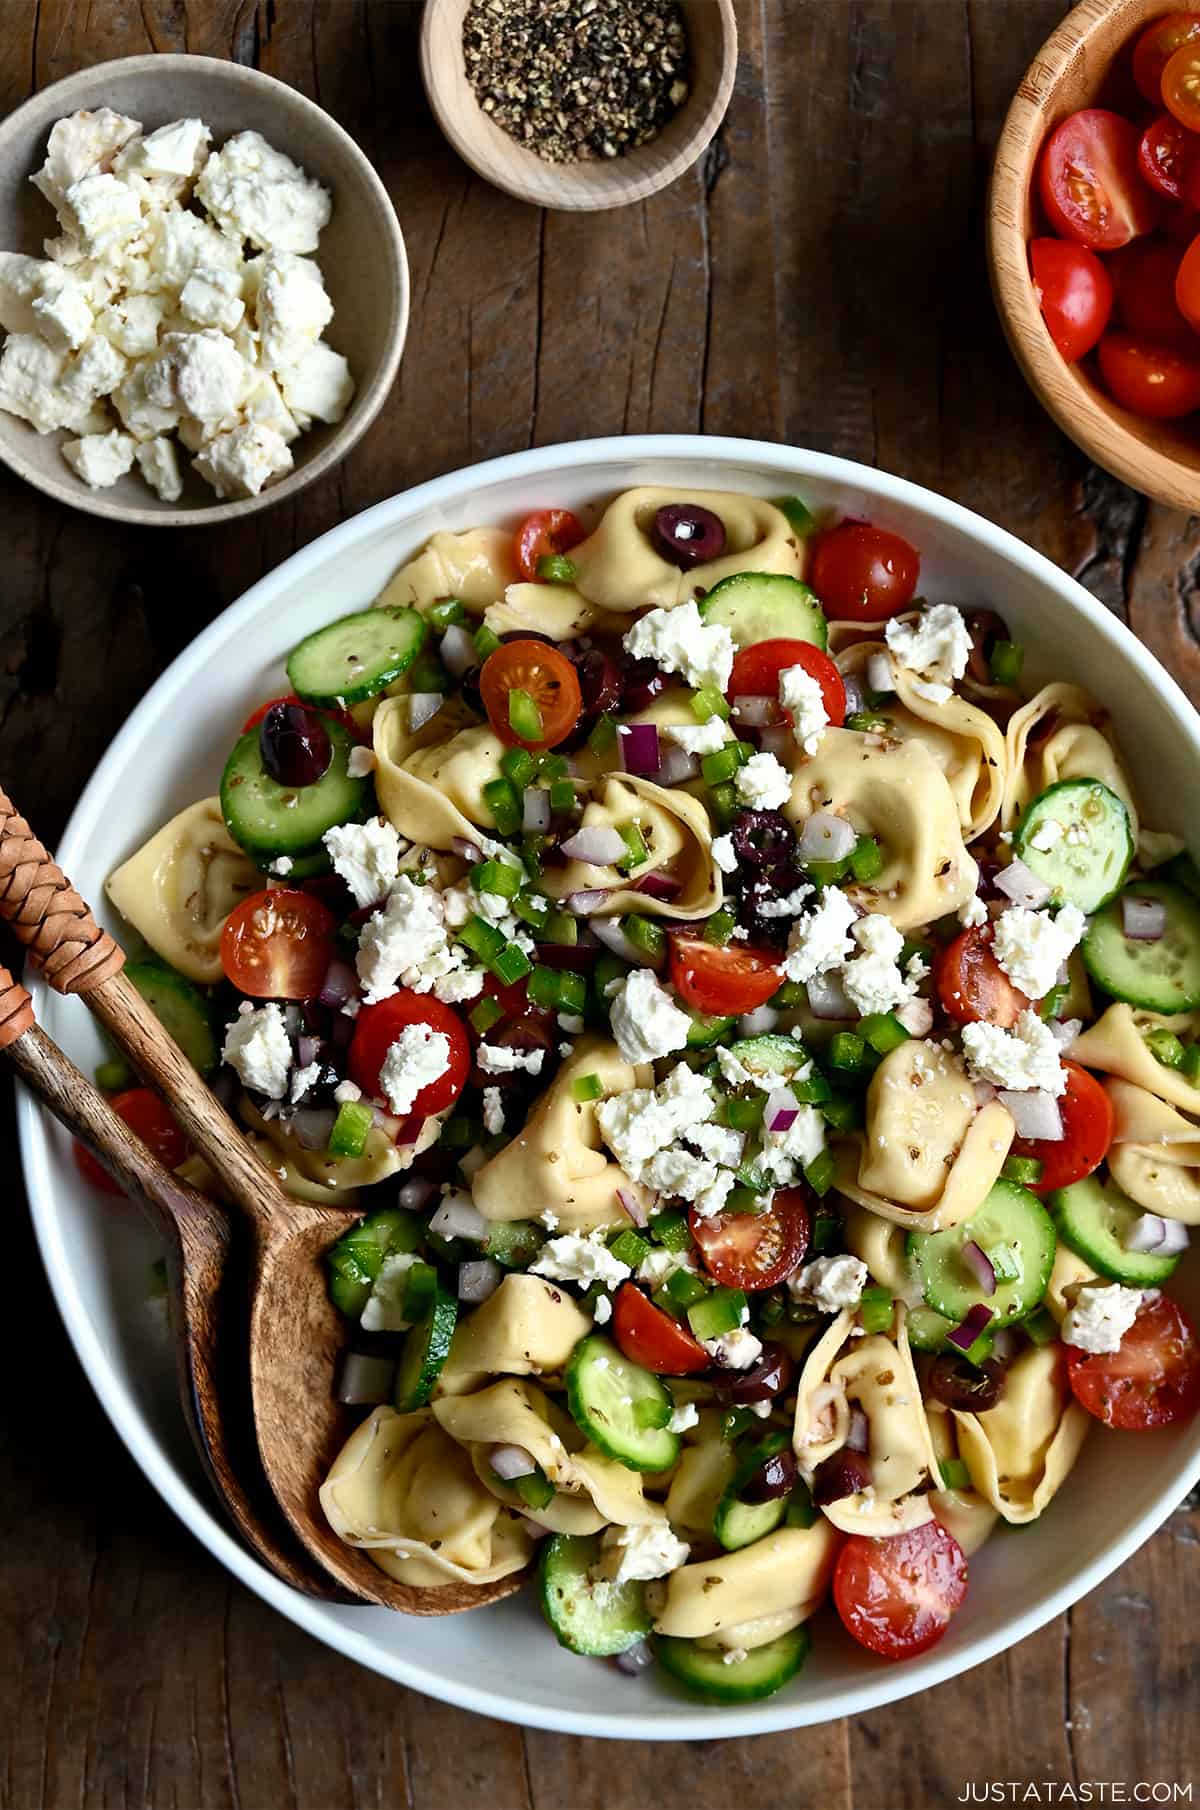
1118, 516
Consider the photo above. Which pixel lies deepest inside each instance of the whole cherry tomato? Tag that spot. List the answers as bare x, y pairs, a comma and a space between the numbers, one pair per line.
864, 574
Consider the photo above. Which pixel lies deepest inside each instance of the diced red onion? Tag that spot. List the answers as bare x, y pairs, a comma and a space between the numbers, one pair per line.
311, 1126
977, 1321
365, 1381
980, 1266
758, 1023
984, 1091
583, 904
659, 886
1035, 1114
676, 765
855, 696
308, 1048
458, 1217
1064, 1031
416, 1193
1020, 884
777, 740
597, 844
859, 1436
536, 813
614, 938
511, 1462
635, 1660
781, 1109
465, 849
1150, 1232
916, 1015
638, 747
880, 676
632, 1206
756, 712
826, 838
478, 1279
828, 998
1143, 920
339, 984
423, 706
458, 650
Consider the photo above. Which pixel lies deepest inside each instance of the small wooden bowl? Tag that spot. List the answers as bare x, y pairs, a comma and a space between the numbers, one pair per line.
1161, 458
587, 185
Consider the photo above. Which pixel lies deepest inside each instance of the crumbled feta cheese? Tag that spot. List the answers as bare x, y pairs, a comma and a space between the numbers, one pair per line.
366, 856
100, 459
361, 762
418, 1057
801, 694
659, 1265
571, 1023
498, 1059
638, 1124
176, 150
259, 1050
785, 1155
819, 941
292, 307
831, 1283
580, 1257
549, 1218
493, 1111
302, 1080
872, 980
458, 985
684, 1417
973, 912
645, 1020
676, 1171
937, 645
346, 1091
241, 462
62, 316
1102, 1314
602, 1310
1031, 946
255, 192
213, 298
718, 1143
79, 146
763, 783
31, 374
699, 738
643, 1552
318, 386
710, 1200
789, 905
101, 212
160, 468
735, 1350
1025, 1058
724, 854
383, 1309
677, 640
405, 943
734, 1071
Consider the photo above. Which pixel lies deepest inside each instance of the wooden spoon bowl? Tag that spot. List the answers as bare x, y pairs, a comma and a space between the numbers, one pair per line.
295, 1332
1072, 70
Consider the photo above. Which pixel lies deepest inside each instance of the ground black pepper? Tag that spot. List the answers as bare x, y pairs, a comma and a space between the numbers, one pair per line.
575, 79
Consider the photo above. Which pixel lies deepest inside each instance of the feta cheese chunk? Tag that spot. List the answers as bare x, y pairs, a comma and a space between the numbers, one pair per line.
242, 462
79, 146
724, 854
873, 980
62, 316
493, 1111
292, 308
255, 192
1023, 1059
801, 694
763, 784
638, 1124
1102, 1314
686, 1416
819, 941
213, 298
498, 1059
318, 386
699, 738
417, 1058
647, 1551
95, 371
132, 322
176, 151
383, 1310
259, 1050
31, 374
1031, 946
100, 459
785, 1155
973, 912
677, 640
830, 1283
159, 465
399, 941
936, 645
101, 212
735, 1350
646, 1022
22, 282
583, 1258
366, 856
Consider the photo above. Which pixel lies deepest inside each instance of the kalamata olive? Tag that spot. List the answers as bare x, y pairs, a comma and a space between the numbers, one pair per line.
641, 683
763, 839
748, 910
764, 1380
531, 1031
956, 1383
985, 629
688, 535
599, 681
774, 1478
468, 685
844, 1473
295, 746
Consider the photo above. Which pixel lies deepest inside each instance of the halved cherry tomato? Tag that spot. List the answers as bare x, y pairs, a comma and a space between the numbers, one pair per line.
971, 984
897, 1596
1151, 380
1074, 293
339, 716
754, 1250
756, 673
1181, 85
651, 1338
147, 1116
725, 982
864, 574
1152, 1381
543, 533
376, 1029
546, 676
278, 944
1166, 152
1187, 285
1143, 275
1091, 187
1155, 48
1087, 1116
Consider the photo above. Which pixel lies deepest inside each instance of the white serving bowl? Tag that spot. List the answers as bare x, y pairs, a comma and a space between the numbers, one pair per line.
503, 1661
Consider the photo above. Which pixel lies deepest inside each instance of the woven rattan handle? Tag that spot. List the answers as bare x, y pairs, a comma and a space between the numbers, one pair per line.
16, 1009
46, 912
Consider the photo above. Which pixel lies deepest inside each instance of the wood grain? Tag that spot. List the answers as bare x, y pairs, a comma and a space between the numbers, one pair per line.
818, 277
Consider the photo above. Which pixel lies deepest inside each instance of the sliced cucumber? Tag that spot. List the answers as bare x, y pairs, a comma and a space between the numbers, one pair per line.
513, 1243
1087, 841
180, 1008
766, 606
425, 1352
1161, 977
1095, 1218
357, 1258
270, 820
772, 1054
737, 1523
927, 1330
712, 1674
705, 1031
1010, 1216
589, 1615
356, 657
622, 1408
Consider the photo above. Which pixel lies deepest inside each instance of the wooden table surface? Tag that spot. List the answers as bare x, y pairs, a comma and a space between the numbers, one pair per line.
818, 280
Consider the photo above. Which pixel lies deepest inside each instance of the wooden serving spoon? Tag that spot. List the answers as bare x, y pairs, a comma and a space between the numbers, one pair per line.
295, 1331
207, 1321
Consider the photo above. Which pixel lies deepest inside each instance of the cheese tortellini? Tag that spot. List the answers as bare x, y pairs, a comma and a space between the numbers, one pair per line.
476, 566
1020, 1452
678, 836
430, 782
619, 567
787, 1572
527, 1328
1155, 1154
1062, 733
1115, 1046
178, 890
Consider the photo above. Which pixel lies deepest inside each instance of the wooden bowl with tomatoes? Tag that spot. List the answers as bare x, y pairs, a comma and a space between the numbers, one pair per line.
1094, 238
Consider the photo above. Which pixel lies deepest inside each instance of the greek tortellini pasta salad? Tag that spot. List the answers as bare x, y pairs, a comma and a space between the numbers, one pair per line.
763, 1046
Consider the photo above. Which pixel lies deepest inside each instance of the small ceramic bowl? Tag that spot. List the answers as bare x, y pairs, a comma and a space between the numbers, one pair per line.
588, 184
1072, 70
361, 255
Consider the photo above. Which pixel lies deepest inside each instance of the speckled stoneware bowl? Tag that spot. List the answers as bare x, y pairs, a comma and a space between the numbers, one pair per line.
361, 255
